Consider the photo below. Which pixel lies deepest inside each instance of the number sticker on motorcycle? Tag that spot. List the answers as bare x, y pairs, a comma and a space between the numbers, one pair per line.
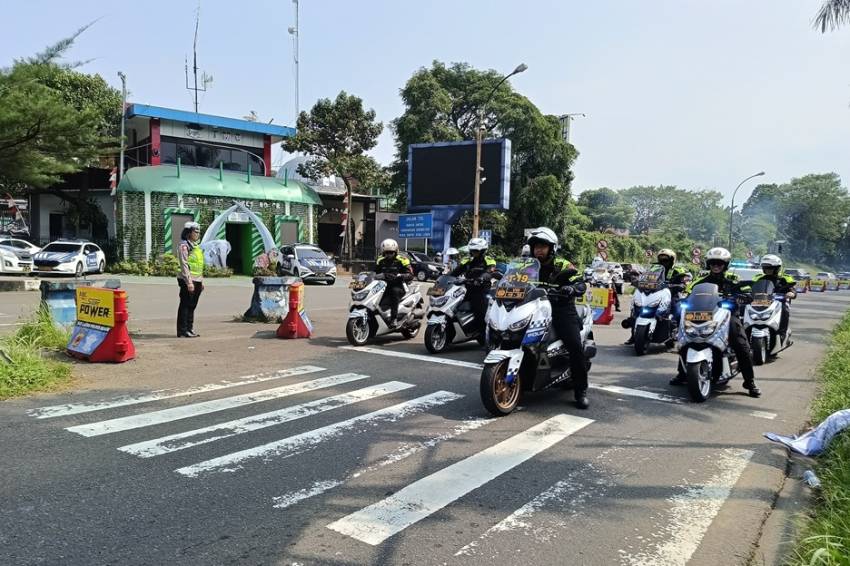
762, 301
699, 316
510, 293
517, 278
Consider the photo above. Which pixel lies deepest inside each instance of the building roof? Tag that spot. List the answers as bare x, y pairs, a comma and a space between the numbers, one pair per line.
209, 120
331, 186
202, 181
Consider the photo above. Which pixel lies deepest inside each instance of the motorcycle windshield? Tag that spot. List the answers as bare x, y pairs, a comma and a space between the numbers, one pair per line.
520, 277
702, 302
653, 279
763, 291
360, 280
443, 284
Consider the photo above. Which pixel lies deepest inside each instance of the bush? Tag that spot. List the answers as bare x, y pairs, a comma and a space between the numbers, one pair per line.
130, 267
213, 272
165, 265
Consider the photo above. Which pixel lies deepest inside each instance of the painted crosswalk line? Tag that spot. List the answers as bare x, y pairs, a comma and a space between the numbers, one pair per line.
690, 515
77, 408
405, 451
206, 407
376, 523
300, 442
183, 440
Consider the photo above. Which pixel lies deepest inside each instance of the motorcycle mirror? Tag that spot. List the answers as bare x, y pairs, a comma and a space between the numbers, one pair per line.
290, 256
497, 275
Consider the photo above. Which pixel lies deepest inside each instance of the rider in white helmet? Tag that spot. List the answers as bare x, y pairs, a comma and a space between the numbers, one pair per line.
478, 269
771, 266
717, 262
395, 270
561, 277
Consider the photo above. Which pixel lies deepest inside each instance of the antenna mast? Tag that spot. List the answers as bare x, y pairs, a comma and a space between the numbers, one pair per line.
206, 80
295, 31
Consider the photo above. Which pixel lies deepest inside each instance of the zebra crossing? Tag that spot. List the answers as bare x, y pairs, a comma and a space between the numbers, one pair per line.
371, 525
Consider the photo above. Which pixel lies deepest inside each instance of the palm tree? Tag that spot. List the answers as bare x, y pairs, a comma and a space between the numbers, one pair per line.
833, 14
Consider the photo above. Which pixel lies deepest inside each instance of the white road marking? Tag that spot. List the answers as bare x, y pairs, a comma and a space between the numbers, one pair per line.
294, 444
182, 440
77, 408
419, 357
692, 513
763, 415
205, 407
403, 452
376, 523
437, 360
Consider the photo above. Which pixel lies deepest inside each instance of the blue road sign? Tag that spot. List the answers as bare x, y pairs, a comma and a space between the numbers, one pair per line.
487, 235
415, 225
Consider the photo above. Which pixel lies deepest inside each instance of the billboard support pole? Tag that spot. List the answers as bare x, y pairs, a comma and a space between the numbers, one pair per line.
426, 246
478, 129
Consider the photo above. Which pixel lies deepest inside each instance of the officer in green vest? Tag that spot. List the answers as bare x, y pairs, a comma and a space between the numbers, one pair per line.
191, 278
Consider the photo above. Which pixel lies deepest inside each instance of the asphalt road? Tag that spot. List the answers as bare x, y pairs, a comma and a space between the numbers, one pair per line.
238, 448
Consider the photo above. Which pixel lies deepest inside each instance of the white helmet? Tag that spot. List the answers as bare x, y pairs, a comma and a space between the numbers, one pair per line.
192, 225
771, 260
721, 254
543, 235
389, 245
452, 252
526, 250
667, 252
477, 244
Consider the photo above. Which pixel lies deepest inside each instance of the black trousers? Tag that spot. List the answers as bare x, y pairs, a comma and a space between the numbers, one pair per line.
568, 328
186, 308
786, 316
478, 302
741, 346
392, 297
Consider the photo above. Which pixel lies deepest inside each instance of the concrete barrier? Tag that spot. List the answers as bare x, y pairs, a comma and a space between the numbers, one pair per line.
270, 301
19, 284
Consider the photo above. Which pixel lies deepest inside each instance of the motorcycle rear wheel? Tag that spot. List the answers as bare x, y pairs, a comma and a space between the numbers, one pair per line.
499, 397
699, 381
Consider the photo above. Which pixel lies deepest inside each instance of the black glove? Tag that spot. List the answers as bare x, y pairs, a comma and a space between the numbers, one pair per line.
567, 290
379, 276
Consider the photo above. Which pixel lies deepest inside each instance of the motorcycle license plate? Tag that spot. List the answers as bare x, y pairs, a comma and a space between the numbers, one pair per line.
510, 293
356, 285
698, 316
762, 302
436, 292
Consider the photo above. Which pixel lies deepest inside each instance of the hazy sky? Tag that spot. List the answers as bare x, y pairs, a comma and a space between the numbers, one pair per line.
686, 92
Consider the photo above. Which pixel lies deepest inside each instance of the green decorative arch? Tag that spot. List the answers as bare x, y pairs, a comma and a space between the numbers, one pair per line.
167, 214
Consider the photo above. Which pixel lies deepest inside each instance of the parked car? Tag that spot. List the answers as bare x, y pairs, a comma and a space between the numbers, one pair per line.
424, 268
844, 280
69, 257
831, 281
308, 262
13, 260
19, 244
802, 277
745, 273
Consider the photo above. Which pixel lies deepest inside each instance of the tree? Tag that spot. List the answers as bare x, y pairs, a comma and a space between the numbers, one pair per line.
649, 204
832, 14
337, 134
606, 209
442, 103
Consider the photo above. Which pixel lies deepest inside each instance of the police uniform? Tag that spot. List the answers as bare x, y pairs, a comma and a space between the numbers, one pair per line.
396, 265
191, 258
477, 294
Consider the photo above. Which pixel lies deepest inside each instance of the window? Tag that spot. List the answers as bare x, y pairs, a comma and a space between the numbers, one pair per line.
168, 152
238, 161
256, 165
186, 153
62, 248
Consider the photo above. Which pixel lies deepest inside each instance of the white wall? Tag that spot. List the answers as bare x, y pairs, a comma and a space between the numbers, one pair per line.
208, 134
51, 204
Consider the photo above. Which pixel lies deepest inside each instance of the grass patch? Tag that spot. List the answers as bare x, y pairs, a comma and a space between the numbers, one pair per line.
825, 539
25, 363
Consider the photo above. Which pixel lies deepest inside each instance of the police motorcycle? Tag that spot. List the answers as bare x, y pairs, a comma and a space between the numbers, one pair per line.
526, 355
368, 318
704, 350
652, 314
761, 322
450, 317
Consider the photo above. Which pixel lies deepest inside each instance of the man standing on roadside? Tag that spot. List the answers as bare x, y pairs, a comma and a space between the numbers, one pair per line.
191, 278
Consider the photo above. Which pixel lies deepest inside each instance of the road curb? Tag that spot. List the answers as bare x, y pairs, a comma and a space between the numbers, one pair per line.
9, 285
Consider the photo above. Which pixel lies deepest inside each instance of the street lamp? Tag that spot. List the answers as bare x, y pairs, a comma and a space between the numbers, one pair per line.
732, 209
520, 68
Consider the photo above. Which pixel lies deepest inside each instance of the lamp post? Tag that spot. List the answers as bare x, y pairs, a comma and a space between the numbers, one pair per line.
126, 246
520, 68
732, 208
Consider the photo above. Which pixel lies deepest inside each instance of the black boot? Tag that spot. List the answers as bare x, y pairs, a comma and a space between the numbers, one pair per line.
679, 380
581, 399
752, 388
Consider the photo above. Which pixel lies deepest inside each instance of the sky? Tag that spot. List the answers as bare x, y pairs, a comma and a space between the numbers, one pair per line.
681, 92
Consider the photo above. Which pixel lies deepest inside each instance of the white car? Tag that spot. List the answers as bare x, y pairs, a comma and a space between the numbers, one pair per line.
69, 257
20, 245
13, 260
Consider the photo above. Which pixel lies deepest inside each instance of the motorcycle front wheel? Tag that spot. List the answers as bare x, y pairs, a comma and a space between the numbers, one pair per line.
498, 396
436, 339
642, 340
357, 331
699, 381
759, 348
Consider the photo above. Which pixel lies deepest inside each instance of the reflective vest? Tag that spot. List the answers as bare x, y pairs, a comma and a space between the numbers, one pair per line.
196, 261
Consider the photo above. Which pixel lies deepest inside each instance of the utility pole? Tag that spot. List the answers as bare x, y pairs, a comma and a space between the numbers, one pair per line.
732, 207
205, 79
295, 31
126, 246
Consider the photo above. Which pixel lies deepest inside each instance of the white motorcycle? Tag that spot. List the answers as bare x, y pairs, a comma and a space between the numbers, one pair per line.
368, 318
526, 354
761, 321
651, 311
450, 317
704, 350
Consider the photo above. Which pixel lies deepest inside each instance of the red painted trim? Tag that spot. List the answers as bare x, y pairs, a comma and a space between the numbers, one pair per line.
267, 154
155, 154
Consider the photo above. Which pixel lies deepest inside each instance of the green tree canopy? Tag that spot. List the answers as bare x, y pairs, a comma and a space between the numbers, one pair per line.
606, 209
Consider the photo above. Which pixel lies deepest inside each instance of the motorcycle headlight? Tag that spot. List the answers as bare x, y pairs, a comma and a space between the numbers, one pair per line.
439, 301
359, 296
703, 330
520, 324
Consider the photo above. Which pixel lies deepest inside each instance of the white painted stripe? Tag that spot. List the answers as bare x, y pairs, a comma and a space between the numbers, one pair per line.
77, 408
206, 407
376, 523
294, 444
419, 357
763, 415
437, 360
405, 451
692, 513
182, 440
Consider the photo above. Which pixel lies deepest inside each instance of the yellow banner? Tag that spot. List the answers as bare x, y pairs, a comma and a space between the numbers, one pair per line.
596, 297
96, 306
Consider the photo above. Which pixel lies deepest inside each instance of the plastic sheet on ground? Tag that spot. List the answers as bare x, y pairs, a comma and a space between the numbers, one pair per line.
815, 441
